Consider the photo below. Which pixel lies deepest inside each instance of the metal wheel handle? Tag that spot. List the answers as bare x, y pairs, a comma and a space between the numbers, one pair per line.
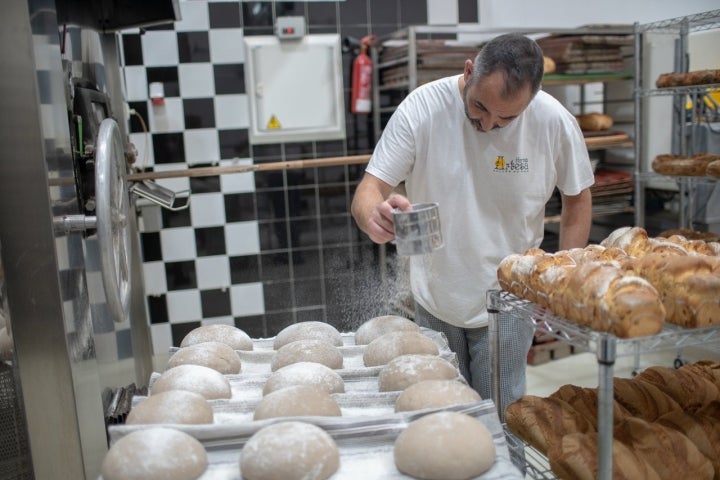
112, 211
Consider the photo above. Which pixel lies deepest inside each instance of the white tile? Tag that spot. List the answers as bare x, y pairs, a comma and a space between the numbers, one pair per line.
247, 299
178, 244
196, 80
136, 83
160, 48
161, 338
237, 182
212, 272
154, 278
194, 17
184, 306
201, 145
150, 219
143, 145
168, 117
207, 210
242, 238
227, 45
231, 111
219, 321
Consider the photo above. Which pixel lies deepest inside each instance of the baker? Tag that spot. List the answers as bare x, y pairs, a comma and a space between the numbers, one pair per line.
490, 147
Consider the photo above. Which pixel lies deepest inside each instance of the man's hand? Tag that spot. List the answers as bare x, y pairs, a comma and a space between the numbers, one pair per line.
380, 226
372, 208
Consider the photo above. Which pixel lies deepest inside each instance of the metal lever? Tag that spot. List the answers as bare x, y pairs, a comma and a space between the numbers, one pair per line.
160, 195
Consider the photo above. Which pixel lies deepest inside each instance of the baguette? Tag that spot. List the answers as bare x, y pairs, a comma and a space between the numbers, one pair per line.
642, 399
702, 430
713, 169
688, 389
671, 454
542, 422
576, 458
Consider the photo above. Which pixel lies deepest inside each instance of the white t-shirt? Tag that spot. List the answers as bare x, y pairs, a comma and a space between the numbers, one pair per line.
492, 188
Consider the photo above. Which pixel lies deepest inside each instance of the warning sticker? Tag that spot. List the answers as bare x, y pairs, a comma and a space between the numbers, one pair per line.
273, 123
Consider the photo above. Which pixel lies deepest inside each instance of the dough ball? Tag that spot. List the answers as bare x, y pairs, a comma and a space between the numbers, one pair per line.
435, 394
6, 345
172, 406
378, 326
297, 401
317, 351
405, 370
227, 334
209, 383
215, 355
155, 454
308, 331
390, 345
305, 373
445, 446
289, 451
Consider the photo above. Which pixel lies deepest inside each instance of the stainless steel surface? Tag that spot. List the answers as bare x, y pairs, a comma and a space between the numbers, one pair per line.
112, 209
162, 196
418, 230
52, 326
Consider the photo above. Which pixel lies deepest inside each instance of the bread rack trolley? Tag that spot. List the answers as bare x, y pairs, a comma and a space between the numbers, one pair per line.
606, 347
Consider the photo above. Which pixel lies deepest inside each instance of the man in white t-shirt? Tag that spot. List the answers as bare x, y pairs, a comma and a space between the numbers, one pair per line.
490, 147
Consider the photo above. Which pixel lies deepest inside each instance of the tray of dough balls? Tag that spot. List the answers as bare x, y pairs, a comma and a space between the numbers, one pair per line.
355, 354
464, 441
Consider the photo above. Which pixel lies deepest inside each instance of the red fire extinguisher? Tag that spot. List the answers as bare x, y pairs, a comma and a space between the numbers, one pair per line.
361, 101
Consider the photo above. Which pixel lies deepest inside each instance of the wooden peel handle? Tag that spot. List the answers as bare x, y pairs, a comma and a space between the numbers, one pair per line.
258, 167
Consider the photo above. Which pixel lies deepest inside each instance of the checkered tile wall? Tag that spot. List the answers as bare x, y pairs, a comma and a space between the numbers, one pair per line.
256, 250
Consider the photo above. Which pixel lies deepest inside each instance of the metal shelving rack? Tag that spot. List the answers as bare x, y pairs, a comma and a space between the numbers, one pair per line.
679, 28
606, 347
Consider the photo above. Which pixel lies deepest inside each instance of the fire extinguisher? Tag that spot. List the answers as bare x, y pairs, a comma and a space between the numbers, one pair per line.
361, 101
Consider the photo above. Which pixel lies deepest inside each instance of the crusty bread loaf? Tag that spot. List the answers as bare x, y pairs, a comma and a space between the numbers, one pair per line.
687, 388
594, 121
689, 285
548, 65
713, 169
702, 430
585, 401
643, 400
576, 458
689, 234
542, 422
682, 165
708, 369
671, 453
696, 77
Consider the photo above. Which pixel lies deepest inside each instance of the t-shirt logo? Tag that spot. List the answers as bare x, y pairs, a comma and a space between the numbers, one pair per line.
516, 165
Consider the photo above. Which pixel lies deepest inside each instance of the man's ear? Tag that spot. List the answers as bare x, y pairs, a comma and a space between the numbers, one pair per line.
468, 69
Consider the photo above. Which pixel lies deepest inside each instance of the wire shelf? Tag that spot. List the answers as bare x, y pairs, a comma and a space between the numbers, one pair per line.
695, 23
584, 338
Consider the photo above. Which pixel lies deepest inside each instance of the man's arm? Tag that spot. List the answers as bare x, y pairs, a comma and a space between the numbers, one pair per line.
372, 208
575, 220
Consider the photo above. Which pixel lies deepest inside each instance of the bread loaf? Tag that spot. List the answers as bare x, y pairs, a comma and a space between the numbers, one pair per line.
688, 389
643, 400
696, 77
576, 458
702, 430
585, 402
542, 422
690, 288
713, 169
594, 121
708, 369
548, 65
682, 165
671, 454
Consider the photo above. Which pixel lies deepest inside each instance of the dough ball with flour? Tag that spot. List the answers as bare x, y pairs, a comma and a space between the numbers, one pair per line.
309, 330
289, 451
155, 454
209, 383
378, 326
308, 350
390, 345
172, 406
297, 401
227, 334
445, 446
305, 373
435, 394
405, 370
215, 355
